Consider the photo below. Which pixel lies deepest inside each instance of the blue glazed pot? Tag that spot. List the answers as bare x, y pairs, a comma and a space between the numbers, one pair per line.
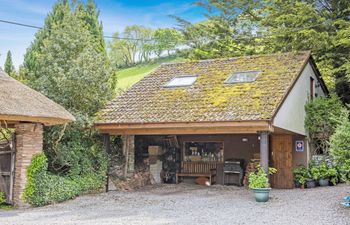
323, 182
262, 194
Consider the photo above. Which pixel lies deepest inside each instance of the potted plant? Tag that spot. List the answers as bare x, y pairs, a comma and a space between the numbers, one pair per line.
323, 174
333, 175
300, 174
313, 175
259, 183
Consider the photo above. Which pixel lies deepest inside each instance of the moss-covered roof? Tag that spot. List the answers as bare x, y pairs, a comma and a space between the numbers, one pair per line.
209, 98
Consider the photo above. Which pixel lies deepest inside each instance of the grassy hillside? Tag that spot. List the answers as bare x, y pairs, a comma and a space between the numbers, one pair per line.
129, 76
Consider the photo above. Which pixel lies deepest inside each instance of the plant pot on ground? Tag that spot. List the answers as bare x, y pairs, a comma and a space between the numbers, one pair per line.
323, 182
310, 183
259, 183
324, 173
300, 174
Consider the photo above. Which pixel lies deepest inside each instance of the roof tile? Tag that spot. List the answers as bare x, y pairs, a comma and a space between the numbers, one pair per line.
209, 98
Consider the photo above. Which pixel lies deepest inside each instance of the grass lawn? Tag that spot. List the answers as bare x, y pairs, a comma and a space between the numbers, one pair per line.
129, 76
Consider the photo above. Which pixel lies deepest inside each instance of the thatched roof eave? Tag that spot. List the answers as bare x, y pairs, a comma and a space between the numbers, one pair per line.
19, 103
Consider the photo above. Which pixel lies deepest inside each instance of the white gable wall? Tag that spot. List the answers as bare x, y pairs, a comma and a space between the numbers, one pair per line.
291, 114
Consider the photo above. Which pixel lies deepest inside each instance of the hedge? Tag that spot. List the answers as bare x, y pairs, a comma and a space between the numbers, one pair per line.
44, 187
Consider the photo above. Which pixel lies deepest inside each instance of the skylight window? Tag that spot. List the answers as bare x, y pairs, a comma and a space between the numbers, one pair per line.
243, 77
182, 81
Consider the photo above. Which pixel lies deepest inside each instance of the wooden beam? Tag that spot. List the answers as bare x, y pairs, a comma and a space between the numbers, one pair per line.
181, 131
101, 126
48, 121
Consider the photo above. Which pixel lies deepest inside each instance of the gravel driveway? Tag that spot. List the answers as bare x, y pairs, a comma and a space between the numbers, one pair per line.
190, 204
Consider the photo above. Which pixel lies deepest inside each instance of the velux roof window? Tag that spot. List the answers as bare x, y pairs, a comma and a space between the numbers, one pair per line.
242, 77
181, 81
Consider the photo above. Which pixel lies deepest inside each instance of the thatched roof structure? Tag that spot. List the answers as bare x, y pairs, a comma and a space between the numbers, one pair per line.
21, 103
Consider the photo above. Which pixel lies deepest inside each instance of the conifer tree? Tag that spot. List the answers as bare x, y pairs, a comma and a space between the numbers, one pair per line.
9, 67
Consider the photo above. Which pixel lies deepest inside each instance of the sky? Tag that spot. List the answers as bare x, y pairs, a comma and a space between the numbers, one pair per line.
114, 14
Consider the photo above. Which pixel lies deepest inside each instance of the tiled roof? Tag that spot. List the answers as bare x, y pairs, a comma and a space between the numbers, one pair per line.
209, 99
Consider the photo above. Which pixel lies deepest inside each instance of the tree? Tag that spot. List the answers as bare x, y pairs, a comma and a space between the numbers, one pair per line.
87, 13
321, 123
227, 32
245, 27
135, 45
66, 63
166, 39
340, 150
9, 67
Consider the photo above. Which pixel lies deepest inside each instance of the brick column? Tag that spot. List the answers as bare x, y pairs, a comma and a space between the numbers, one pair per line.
29, 141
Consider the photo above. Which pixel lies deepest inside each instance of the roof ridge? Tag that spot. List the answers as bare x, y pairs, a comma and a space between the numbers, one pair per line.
237, 57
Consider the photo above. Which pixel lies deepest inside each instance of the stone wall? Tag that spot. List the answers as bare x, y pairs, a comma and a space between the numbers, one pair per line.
29, 141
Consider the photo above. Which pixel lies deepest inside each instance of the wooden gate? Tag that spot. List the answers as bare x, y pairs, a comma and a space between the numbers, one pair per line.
281, 150
7, 168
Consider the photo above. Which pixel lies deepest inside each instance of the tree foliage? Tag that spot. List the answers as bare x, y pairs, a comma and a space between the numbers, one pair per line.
340, 148
321, 122
9, 67
137, 44
68, 63
245, 27
166, 39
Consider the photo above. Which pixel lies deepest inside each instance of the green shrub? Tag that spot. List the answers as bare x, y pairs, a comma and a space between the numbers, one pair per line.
323, 171
301, 173
259, 179
44, 187
2, 198
340, 149
321, 121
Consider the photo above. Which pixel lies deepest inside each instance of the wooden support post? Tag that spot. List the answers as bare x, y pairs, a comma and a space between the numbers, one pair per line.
106, 143
126, 154
107, 148
264, 150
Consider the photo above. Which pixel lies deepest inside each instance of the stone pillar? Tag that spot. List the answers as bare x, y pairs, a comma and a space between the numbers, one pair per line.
264, 150
29, 141
131, 153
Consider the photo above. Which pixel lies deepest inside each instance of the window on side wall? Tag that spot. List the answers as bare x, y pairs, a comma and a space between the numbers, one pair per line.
312, 88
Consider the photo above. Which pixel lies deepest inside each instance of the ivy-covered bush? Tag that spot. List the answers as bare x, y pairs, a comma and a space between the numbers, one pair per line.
2, 198
340, 149
44, 187
323, 115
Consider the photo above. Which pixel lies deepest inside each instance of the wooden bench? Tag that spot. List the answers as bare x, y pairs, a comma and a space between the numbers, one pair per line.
198, 169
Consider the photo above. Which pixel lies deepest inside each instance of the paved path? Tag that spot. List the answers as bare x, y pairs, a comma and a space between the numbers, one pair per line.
190, 204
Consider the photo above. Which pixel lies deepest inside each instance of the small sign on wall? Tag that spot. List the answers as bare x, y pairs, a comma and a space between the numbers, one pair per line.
299, 146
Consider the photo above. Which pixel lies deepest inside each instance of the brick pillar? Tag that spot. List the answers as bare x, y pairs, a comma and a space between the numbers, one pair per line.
29, 141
